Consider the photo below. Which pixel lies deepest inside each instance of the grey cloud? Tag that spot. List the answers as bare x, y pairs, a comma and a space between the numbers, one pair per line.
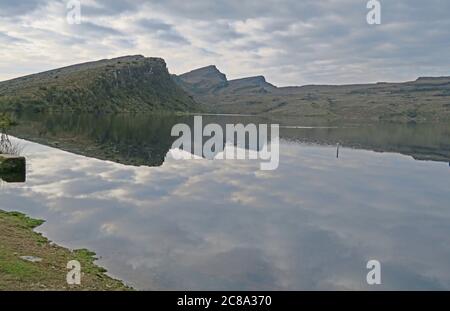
207, 52
340, 36
290, 41
154, 25
13, 7
162, 30
237, 9
96, 30
111, 7
53, 37
220, 31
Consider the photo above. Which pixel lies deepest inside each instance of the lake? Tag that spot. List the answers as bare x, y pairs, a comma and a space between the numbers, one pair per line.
109, 184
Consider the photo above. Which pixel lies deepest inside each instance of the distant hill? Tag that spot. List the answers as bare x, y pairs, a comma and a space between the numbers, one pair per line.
125, 84
205, 80
210, 81
426, 99
251, 85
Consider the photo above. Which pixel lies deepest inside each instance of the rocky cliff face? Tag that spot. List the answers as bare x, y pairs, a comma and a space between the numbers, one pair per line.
251, 85
203, 80
209, 80
131, 83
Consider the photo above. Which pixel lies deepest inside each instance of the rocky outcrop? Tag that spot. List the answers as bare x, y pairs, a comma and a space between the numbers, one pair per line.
125, 84
209, 81
12, 168
203, 80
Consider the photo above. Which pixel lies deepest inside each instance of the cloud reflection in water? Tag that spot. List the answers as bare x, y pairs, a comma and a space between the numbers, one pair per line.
311, 224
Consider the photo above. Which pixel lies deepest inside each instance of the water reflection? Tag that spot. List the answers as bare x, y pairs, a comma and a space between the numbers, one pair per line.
312, 224
145, 139
13, 177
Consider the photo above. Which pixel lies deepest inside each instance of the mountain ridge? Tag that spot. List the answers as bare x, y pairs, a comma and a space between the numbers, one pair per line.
444, 79
124, 84
143, 84
210, 80
425, 99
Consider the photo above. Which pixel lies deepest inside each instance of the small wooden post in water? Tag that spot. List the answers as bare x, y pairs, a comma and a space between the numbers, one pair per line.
337, 150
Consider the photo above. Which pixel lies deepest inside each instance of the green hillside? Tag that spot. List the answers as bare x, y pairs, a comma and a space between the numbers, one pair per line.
125, 84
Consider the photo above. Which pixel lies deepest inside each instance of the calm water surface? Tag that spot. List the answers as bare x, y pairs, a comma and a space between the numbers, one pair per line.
225, 225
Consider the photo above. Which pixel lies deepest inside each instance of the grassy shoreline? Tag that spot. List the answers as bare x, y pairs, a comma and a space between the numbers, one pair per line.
19, 239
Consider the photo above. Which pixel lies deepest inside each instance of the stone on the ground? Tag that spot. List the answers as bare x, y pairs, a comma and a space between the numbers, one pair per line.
31, 258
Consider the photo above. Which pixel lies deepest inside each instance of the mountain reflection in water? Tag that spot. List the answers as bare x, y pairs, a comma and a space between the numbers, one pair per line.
145, 139
211, 225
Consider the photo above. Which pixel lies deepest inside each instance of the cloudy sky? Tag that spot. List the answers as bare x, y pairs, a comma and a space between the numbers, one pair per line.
291, 42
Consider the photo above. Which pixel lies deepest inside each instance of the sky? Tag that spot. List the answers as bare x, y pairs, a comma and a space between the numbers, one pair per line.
290, 42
